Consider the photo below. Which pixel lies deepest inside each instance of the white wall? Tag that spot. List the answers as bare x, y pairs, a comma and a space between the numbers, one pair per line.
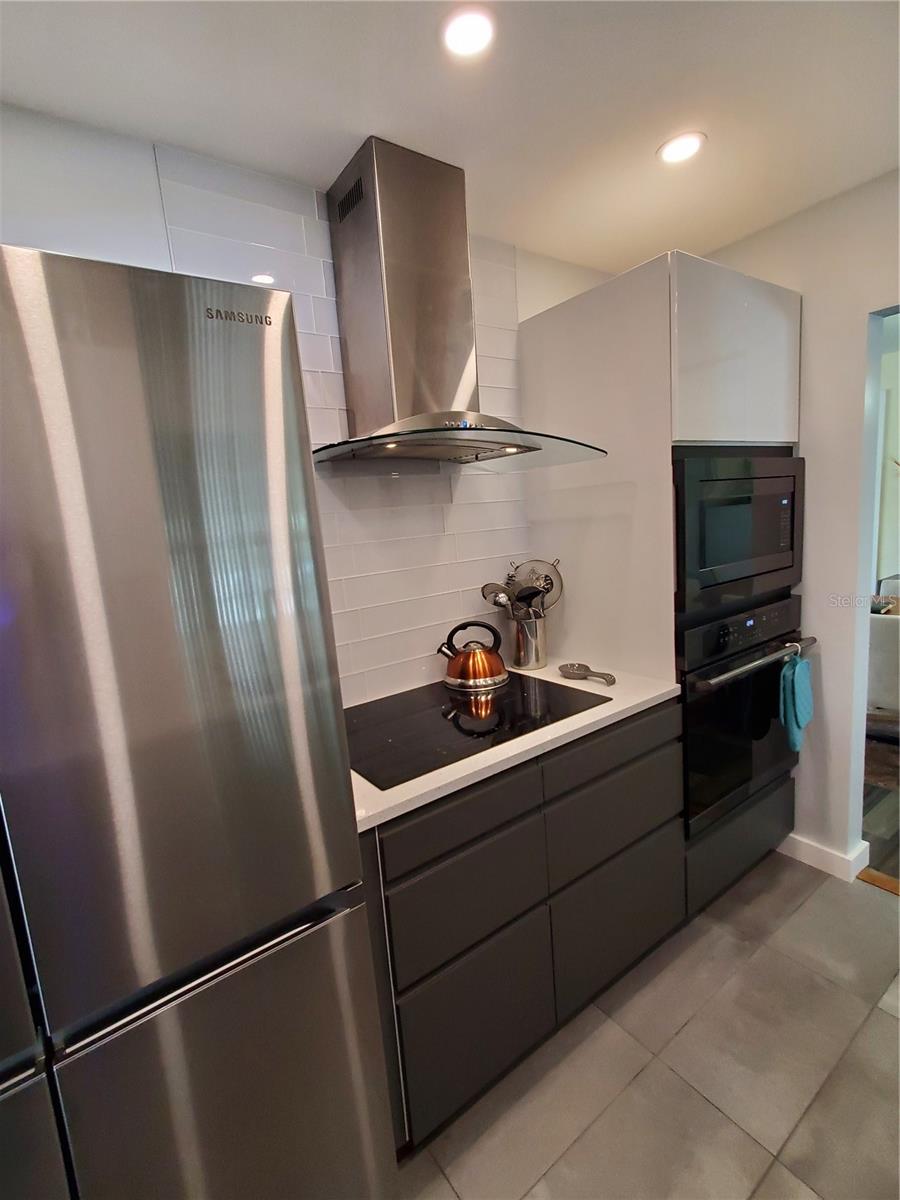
544, 282
842, 256
406, 553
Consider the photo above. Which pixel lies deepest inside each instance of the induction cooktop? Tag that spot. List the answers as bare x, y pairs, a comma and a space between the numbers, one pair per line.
401, 737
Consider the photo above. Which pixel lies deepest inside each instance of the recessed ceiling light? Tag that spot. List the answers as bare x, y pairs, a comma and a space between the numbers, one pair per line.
390, 445
262, 278
511, 449
681, 148
468, 32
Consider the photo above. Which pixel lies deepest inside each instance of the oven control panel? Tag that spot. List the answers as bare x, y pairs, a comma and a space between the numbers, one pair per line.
732, 635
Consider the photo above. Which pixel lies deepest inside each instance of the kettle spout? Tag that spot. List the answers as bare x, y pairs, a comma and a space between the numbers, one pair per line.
445, 650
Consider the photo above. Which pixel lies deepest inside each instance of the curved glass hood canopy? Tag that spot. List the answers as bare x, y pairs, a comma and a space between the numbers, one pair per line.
463, 438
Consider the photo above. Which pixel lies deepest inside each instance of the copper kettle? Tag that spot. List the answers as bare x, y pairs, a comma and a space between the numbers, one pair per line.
474, 667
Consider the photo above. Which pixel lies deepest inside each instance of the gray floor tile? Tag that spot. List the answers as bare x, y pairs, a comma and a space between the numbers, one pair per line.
846, 1145
659, 1140
764, 899
847, 932
764, 1044
422, 1179
890, 1001
502, 1145
665, 990
780, 1184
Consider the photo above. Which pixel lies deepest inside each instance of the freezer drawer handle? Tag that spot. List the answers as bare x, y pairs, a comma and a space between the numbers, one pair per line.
791, 650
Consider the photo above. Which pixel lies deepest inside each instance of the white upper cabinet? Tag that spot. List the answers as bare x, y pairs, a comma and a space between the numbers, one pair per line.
735, 355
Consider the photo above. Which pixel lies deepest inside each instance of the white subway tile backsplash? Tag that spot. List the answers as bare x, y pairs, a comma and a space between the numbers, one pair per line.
372, 524
304, 318
400, 677
490, 250
363, 591
496, 343
491, 281
474, 486
373, 557
333, 389
325, 312
339, 565
500, 311
336, 354
336, 593
197, 170
346, 627
489, 542
324, 426
497, 372
318, 237
353, 690
505, 514
500, 402
346, 657
409, 614
315, 352
196, 253
329, 524
322, 210
328, 268
398, 491
206, 211
398, 647
313, 392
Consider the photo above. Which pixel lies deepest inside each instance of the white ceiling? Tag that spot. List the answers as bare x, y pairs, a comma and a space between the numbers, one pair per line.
556, 128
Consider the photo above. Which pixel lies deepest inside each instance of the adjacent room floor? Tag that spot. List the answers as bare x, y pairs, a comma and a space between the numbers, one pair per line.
881, 800
754, 1054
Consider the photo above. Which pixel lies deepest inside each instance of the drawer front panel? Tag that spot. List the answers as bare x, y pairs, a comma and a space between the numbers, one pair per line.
761, 823
450, 906
411, 842
601, 752
606, 921
596, 821
465, 1026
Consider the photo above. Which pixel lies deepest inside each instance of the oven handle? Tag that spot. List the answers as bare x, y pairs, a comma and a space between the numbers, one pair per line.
789, 650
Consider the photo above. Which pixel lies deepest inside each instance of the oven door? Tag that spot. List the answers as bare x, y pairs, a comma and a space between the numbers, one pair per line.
734, 742
739, 530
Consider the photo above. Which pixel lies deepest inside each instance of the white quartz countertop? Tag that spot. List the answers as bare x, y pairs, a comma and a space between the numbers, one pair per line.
631, 694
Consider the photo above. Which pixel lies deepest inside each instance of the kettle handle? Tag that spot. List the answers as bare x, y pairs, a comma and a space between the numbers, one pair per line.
495, 645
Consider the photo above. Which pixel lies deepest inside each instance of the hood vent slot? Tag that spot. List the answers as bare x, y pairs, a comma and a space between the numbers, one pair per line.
349, 200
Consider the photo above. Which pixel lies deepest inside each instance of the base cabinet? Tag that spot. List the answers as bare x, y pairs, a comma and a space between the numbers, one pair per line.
609, 918
464, 1026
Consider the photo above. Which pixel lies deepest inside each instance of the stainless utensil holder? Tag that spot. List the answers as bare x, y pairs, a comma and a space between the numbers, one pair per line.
530, 644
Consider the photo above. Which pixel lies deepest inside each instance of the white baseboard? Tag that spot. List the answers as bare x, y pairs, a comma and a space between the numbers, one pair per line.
844, 866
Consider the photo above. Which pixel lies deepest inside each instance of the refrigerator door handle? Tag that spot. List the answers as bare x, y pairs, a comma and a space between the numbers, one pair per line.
325, 911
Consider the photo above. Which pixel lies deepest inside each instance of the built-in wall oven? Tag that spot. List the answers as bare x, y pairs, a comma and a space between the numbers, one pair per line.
734, 742
739, 529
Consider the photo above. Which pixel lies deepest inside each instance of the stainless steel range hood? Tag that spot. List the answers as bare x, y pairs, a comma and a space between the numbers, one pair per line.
401, 258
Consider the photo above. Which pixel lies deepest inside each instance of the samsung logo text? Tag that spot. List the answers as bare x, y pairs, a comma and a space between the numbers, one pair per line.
242, 318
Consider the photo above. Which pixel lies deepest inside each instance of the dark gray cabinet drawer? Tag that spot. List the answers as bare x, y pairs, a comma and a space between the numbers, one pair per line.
715, 861
606, 921
584, 760
596, 821
412, 841
469, 1023
450, 906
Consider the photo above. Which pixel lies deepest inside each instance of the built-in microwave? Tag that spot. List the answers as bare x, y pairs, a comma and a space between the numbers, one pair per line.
738, 529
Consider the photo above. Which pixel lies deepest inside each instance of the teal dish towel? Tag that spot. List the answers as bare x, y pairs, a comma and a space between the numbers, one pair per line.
796, 699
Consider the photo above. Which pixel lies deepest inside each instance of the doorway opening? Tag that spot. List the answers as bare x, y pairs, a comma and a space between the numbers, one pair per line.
881, 797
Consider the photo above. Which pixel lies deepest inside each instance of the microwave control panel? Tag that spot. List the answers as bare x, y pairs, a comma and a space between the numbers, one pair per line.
719, 639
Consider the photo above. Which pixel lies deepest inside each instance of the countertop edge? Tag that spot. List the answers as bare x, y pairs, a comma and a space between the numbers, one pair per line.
375, 807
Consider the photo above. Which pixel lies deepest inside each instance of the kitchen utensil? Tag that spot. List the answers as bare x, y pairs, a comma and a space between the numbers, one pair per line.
491, 590
527, 595
536, 572
583, 671
530, 641
473, 667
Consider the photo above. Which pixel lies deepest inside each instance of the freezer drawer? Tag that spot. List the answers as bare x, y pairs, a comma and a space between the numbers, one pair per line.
18, 1037
31, 1165
267, 1083
173, 769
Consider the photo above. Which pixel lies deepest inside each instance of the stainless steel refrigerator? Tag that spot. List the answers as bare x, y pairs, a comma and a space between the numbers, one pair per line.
182, 857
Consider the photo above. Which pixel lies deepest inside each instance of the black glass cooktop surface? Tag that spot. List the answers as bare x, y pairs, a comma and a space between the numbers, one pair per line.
400, 737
